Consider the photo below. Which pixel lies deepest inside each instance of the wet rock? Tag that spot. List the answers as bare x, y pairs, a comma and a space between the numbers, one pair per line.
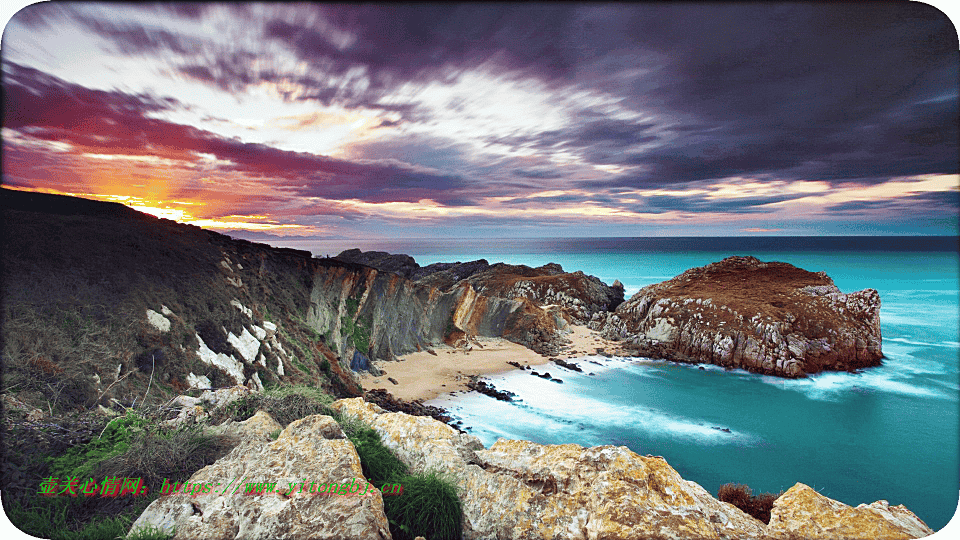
488, 389
568, 365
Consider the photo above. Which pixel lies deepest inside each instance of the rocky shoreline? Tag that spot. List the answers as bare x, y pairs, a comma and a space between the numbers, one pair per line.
201, 310
765, 317
512, 490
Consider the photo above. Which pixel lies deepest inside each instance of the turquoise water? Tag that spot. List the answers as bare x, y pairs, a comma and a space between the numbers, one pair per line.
887, 433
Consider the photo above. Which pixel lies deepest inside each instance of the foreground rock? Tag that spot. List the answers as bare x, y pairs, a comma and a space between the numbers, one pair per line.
803, 512
312, 449
771, 318
524, 490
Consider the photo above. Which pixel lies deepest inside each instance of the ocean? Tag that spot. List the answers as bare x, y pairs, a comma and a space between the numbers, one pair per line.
889, 432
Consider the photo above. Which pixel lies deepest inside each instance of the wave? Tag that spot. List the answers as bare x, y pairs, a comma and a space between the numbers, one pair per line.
948, 344
550, 407
835, 386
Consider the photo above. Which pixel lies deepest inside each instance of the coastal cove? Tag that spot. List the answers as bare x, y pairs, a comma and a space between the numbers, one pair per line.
884, 433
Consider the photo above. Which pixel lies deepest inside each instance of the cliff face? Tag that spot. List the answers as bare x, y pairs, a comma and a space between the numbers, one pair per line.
529, 306
771, 318
135, 299
368, 314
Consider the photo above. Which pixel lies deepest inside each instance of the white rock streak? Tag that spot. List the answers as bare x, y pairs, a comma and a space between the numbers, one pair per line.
158, 321
227, 363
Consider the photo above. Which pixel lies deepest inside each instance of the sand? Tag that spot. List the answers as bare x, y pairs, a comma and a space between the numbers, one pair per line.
425, 376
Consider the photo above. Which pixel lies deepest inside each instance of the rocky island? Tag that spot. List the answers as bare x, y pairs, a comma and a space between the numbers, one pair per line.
765, 317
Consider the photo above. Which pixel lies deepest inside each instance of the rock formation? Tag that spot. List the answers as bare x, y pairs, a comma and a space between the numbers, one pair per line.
771, 318
312, 449
802, 512
524, 490
529, 306
210, 311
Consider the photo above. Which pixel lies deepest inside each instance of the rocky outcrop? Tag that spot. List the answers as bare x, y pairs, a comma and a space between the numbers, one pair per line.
771, 318
403, 265
580, 296
802, 512
312, 449
363, 303
524, 490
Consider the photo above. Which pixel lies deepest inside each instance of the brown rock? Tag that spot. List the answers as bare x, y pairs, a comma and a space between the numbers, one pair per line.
771, 318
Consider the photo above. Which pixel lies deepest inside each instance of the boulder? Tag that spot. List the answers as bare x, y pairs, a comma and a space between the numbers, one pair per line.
804, 513
308, 450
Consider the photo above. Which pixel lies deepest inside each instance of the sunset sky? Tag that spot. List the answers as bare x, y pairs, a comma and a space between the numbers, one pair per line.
337, 121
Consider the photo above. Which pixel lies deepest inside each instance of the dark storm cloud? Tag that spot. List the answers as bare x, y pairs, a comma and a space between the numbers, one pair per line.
411, 42
131, 39
793, 91
923, 203
813, 91
543, 173
798, 91
47, 108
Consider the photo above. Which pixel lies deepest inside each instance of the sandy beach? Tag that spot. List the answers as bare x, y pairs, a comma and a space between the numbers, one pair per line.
422, 375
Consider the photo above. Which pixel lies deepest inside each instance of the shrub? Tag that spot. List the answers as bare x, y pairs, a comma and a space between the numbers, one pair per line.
428, 507
165, 453
285, 405
80, 460
742, 497
380, 465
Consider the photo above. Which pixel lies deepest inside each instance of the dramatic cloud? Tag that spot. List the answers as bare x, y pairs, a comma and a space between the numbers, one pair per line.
519, 118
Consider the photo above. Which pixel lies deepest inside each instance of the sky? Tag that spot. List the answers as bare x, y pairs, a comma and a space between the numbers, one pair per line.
278, 121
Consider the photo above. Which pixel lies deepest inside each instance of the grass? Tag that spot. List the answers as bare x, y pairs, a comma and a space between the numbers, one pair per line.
380, 464
284, 404
114, 440
130, 446
429, 505
52, 519
742, 497
357, 332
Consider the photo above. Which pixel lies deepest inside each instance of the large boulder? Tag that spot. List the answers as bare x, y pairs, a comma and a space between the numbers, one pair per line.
766, 317
804, 513
524, 490
309, 450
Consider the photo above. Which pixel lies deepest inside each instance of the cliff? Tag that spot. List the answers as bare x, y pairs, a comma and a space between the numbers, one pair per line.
765, 317
529, 306
102, 303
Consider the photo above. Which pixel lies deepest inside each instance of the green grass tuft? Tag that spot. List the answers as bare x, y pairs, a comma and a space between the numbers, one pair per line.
429, 506
380, 465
